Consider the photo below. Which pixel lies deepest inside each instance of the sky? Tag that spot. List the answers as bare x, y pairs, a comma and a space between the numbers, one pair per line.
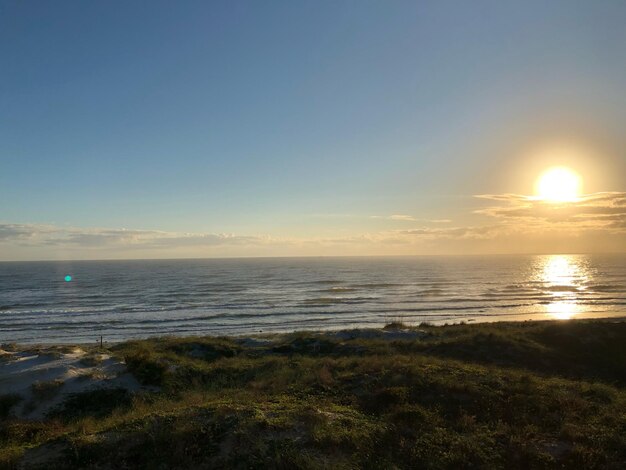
159, 129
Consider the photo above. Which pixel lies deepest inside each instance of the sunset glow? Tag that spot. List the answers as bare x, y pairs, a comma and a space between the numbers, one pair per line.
563, 278
559, 184
293, 131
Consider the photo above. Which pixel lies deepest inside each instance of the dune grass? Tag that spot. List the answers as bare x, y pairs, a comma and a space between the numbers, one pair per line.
507, 395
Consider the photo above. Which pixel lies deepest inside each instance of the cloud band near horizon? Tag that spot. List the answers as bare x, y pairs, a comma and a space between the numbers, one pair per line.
518, 223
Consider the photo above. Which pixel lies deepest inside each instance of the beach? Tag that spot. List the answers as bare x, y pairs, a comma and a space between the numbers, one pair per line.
510, 394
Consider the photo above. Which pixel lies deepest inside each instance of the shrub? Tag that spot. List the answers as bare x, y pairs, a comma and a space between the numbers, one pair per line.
7, 402
46, 390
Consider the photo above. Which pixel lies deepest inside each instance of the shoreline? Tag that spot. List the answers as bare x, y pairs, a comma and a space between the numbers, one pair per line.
600, 316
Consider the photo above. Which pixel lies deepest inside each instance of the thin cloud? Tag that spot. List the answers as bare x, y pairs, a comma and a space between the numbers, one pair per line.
606, 210
404, 217
517, 223
479, 232
410, 218
23, 232
35, 234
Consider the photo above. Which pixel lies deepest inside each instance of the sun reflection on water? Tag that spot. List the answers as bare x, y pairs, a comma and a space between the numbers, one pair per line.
564, 278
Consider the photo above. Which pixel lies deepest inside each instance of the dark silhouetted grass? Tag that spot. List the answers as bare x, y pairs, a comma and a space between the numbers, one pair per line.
509, 395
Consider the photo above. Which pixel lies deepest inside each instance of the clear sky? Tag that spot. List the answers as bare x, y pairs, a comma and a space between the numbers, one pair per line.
193, 128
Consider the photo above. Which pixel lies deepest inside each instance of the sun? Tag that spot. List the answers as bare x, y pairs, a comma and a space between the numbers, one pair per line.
558, 184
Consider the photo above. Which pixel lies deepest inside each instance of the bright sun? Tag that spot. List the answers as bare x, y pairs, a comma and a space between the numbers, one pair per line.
558, 184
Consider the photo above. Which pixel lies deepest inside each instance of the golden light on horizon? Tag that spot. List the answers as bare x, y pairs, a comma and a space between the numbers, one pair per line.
558, 184
564, 278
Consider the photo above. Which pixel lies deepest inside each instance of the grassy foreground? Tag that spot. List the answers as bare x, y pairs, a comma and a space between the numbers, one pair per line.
507, 395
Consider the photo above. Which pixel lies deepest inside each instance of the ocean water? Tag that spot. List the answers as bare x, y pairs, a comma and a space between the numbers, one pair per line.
131, 299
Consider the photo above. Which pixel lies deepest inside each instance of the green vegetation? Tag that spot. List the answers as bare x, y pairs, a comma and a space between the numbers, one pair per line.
507, 395
7, 402
46, 390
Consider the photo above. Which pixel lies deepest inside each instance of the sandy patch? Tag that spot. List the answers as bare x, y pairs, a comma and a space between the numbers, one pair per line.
44, 377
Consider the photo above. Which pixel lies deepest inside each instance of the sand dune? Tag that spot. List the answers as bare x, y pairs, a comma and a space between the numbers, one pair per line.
44, 377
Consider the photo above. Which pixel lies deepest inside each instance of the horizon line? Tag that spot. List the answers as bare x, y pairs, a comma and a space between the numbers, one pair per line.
473, 255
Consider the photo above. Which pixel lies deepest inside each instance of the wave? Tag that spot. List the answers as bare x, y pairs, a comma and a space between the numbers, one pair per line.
377, 285
562, 288
337, 290
138, 298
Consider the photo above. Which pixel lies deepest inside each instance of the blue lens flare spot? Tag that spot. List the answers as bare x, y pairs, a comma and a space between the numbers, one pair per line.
68, 278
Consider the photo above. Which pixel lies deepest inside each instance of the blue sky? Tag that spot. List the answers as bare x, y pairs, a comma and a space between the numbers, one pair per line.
296, 122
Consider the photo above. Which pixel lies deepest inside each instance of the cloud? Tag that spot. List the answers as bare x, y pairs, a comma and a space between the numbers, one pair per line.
68, 237
514, 224
23, 232
404, 217
458, 233
410, 218
519, 223
597, 211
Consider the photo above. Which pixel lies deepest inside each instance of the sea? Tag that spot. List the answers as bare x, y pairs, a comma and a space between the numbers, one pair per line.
80, 301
